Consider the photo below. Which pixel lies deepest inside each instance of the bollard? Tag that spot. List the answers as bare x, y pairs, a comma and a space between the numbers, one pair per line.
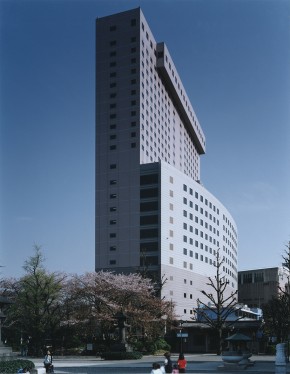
280, 359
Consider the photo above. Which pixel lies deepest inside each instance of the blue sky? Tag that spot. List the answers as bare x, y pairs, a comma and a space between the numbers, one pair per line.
234, 59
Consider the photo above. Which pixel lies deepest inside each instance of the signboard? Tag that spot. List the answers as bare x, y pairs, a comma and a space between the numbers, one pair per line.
182, 335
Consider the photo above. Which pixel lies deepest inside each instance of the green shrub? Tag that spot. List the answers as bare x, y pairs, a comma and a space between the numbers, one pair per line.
121, 355
162, 345
12, 366
151, 346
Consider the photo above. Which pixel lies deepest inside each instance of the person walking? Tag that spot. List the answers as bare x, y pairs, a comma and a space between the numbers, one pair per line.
167, 362
48, 362
181, 363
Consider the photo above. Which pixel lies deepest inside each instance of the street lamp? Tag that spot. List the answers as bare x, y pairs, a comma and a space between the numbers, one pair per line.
180, 334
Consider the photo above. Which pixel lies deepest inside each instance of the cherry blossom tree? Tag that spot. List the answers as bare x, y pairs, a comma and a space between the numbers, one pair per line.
98, 297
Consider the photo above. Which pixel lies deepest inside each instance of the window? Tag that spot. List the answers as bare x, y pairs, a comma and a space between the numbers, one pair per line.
112, 248
113, 166
112, 262
113, 196
113, 235
113, 181
113, 222
113, 28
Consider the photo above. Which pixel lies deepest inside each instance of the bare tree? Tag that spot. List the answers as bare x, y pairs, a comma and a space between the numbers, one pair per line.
276, 312
219, 304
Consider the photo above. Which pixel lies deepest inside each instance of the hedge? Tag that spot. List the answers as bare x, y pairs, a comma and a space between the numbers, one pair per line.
12, 366
121, 355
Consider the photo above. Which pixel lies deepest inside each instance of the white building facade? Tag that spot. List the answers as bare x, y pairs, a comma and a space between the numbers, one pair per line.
152, 212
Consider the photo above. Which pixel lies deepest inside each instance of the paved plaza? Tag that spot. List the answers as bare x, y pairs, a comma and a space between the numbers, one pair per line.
197, 363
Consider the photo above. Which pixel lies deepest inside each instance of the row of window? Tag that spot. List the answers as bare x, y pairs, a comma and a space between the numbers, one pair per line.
151, 111
133, 22
183, 96
201, 198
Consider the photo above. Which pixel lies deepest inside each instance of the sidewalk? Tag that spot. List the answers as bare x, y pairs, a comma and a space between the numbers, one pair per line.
197, 363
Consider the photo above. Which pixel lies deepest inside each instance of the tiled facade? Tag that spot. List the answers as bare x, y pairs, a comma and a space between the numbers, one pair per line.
152, 212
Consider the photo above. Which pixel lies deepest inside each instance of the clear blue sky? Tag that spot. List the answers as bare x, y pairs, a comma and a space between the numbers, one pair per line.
234, 59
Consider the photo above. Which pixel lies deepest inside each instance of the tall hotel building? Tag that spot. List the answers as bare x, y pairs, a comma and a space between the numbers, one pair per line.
152, 212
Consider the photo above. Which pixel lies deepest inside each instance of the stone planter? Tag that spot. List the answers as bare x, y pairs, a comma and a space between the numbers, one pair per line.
232, 357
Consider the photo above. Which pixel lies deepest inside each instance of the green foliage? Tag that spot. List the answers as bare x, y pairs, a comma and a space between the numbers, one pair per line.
161, 344
276, 317
12, 366
121, 355
36, 310
49, 309
150, 346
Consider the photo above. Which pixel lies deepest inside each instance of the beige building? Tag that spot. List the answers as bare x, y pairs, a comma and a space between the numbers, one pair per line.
258, 286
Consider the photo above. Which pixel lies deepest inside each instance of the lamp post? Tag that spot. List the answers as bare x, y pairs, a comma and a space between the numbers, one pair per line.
180, 333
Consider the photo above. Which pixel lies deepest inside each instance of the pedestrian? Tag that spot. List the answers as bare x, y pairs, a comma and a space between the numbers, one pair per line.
175, 369
181, 363
167, 362
48, 362
156, 368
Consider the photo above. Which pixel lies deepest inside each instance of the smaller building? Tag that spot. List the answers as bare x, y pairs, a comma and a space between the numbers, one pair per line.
198, 336
258, 286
